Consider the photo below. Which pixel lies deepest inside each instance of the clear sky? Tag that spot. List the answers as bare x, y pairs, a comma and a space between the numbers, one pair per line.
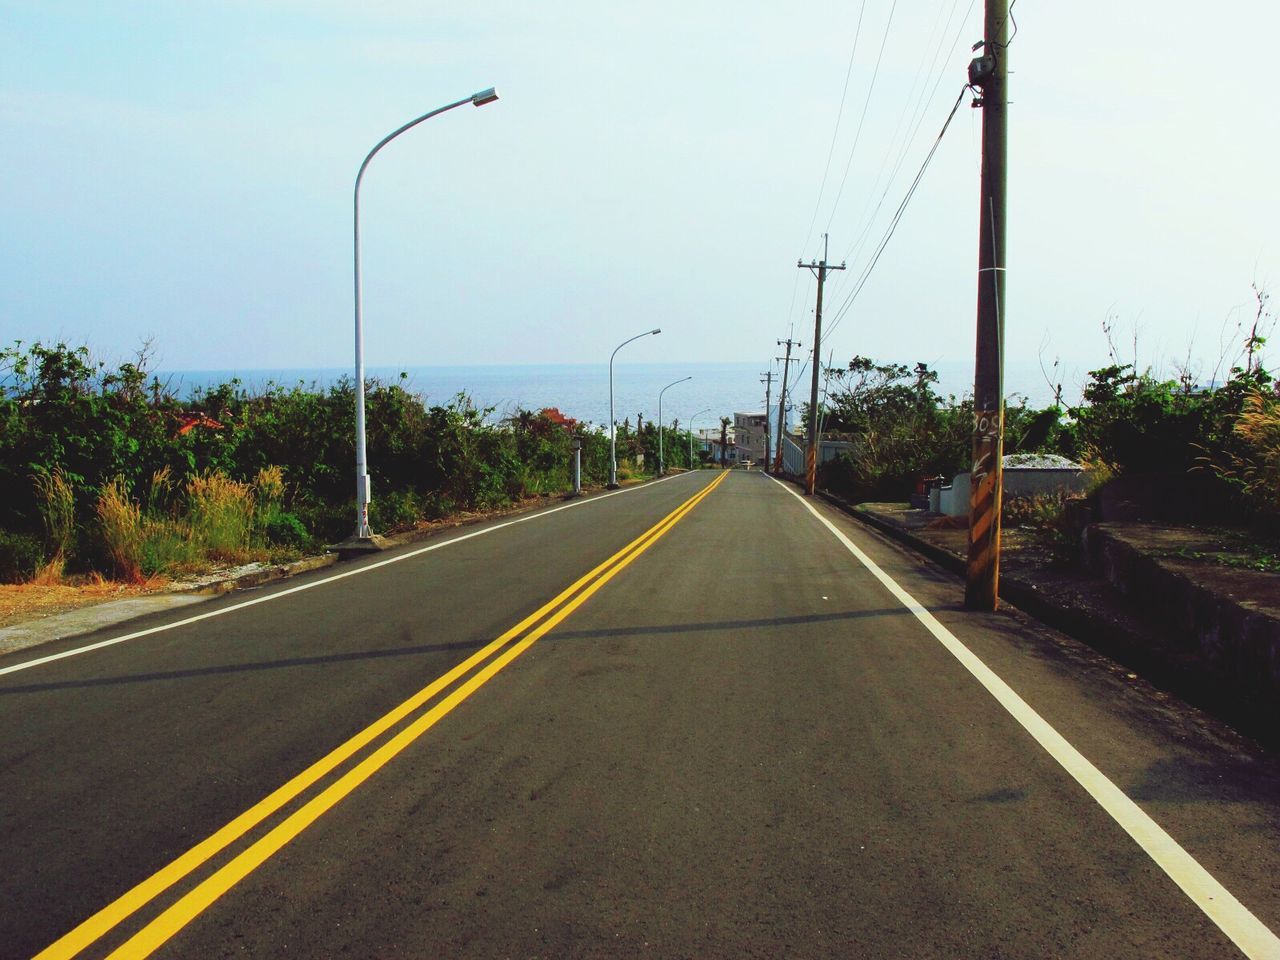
183, 171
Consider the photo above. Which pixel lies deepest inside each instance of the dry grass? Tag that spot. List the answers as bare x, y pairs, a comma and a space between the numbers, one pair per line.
221, 514
216, 524
22, 602
1259, 472
210, 519
57, 502
268, 487
120, 520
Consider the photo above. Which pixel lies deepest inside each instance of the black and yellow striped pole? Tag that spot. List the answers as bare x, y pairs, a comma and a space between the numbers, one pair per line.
989, 74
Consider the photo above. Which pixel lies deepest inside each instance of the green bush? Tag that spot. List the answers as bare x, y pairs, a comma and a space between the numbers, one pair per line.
167, 548
1135, 423
286, 530
398, 508
900, 428
20, 556
65, 415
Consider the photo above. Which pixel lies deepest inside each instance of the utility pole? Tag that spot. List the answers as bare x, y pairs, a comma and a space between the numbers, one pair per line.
989, 73
819, 270
782, 400
767, 380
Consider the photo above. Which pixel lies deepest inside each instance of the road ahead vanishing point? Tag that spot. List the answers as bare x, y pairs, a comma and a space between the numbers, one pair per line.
698, 718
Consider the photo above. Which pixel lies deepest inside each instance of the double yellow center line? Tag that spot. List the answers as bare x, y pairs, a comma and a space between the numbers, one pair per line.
491, 659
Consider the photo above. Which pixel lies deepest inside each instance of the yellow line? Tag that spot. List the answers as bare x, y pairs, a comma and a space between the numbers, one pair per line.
168, 923
114, 913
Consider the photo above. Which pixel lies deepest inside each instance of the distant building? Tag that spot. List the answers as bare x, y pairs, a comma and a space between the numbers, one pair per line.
555, 416
708, 441
749, 431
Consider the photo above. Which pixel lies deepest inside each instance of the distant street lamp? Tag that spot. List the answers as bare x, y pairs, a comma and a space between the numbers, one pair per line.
698, 414
363, 538
613, 447
662, 464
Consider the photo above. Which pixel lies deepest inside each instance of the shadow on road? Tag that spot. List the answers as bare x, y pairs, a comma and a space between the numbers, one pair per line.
709, 625
424, 649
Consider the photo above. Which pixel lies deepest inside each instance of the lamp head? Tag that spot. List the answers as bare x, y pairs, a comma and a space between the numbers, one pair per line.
655, 330
483, 97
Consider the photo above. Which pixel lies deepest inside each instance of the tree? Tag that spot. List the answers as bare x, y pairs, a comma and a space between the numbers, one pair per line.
724, 441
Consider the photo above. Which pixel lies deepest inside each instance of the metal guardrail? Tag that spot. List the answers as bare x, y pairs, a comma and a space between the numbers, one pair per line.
793, 455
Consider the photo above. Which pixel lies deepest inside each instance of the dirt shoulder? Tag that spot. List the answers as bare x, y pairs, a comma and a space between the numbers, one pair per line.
24, 602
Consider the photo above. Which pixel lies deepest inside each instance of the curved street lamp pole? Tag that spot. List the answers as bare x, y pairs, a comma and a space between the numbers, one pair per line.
363, 536
698, 414
613, 448
662, 464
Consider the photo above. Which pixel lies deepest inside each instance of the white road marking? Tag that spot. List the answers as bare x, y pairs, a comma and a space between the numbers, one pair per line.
1234, 919
76, 651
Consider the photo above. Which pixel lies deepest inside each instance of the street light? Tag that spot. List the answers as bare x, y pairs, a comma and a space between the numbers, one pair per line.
362, 538
613, 448
698, 414
662, 464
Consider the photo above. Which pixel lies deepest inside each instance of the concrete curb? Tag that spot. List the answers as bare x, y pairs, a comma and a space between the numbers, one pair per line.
256, 578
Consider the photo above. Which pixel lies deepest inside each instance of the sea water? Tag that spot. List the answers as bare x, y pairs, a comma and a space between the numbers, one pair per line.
581, 391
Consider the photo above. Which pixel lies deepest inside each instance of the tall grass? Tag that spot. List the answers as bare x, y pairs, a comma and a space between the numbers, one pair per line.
159, 493
120, 523
268, 495
57, 502
1257, 470
221, 513
216, 519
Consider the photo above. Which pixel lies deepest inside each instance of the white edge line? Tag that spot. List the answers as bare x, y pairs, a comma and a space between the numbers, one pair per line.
222, 611
1248, 933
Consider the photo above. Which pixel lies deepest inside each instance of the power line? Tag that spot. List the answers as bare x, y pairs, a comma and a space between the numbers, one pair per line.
918, 115
822, 187
836, 132
910, 113
897, 217
862, 119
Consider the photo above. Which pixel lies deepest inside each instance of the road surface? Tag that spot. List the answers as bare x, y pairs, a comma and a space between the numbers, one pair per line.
699, 718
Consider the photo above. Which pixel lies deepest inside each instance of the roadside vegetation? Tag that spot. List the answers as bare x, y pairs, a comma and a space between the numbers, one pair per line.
106, 471
1177, 447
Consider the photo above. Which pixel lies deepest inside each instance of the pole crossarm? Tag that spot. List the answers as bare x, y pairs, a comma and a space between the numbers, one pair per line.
820, 269
767, 380
782, 399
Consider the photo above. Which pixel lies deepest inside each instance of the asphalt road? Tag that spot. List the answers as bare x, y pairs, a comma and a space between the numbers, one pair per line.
734, 740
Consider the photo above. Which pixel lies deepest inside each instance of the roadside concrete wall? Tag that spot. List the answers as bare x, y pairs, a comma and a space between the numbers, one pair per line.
1018, 482
1227, 618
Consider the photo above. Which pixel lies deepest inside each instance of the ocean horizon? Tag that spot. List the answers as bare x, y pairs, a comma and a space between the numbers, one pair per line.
581, 390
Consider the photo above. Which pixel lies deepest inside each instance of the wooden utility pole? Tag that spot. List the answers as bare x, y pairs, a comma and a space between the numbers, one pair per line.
782, 401
820, 271
767, 380
989, 73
